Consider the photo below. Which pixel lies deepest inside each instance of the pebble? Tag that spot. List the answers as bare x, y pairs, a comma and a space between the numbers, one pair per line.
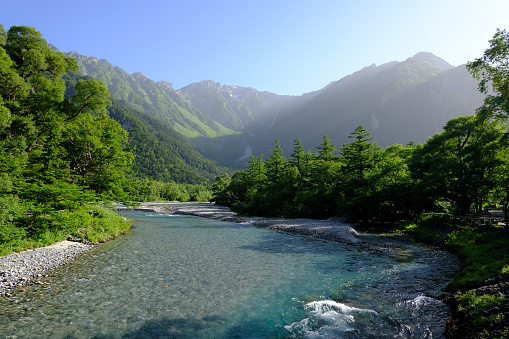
18, 269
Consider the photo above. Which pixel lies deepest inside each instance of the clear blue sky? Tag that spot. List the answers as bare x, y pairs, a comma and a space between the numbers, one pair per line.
281, 46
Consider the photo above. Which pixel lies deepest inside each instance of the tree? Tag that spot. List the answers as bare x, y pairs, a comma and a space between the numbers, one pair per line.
96, 152
358, 158
220, 192
492, 71
277, 193
454, 166
326, 150
391, 182
276, 164
45, 137
361, 154
3, 35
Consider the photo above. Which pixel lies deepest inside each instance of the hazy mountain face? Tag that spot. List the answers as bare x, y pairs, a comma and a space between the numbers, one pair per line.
239, 108
398, 102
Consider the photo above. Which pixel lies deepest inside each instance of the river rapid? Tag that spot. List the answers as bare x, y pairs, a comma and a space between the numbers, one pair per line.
181, 276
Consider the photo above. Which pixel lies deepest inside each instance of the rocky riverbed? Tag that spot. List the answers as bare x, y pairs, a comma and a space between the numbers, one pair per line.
25, 267
329, 229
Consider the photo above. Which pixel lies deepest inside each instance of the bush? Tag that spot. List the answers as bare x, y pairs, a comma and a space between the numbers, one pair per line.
93, 223
90, 222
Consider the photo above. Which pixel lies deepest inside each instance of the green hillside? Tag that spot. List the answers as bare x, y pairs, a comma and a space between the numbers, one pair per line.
161, 153
158, 100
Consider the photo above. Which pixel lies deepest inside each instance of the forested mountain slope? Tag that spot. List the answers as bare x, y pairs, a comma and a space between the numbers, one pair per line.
398, 102
158, 100
161, 153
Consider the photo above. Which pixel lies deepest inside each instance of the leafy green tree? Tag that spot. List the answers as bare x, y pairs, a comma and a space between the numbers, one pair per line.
391, 194
276, 164
277, 193
301, 167
360, 155
326, 150
45, 137
492, 71
302, 161
221, 195
3, 35
501, 175
453, 166
95, 148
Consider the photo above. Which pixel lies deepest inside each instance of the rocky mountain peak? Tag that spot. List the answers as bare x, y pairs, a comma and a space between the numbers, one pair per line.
138, 76
432, 59
166, 86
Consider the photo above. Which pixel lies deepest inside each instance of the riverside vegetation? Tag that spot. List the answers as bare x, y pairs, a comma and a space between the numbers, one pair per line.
63, 157
440, 188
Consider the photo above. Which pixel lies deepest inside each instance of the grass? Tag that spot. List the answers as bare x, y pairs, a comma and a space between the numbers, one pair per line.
477, 306
483, 253
91, 222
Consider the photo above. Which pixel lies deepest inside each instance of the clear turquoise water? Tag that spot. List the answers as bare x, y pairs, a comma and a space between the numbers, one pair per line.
187, 277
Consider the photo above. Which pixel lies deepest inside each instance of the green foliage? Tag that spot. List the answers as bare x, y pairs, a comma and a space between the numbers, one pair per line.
157, 100
492, 71
59, 151
139, 190
457, 164
220, 195
431, 229
359, 158
479, 306
484, 252
307, 184
3, 35
91, 222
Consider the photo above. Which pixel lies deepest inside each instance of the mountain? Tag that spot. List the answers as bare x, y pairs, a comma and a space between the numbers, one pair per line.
158, 100
398, 102
239, 107
161, 152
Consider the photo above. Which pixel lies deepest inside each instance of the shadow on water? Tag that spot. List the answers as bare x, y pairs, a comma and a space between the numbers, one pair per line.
169, 328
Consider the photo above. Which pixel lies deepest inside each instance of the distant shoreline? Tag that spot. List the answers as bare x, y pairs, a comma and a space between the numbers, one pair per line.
329, 229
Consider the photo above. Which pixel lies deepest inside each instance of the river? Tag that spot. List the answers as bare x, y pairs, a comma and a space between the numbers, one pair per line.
178, 276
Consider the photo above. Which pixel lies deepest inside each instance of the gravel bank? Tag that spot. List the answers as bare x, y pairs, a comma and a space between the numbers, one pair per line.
332, 230
21, 268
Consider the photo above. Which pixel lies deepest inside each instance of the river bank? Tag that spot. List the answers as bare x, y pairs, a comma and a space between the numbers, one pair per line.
27, 267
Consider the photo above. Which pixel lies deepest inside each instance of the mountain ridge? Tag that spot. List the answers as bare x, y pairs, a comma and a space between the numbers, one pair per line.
157, 99
227, 123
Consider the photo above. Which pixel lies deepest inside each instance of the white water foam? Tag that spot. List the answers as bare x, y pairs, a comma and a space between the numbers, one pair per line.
326, 318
